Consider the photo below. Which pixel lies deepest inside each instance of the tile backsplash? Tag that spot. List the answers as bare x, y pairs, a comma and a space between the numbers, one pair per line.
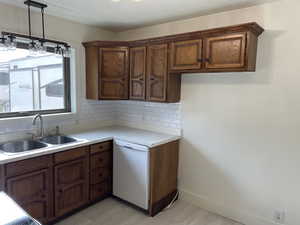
159, 117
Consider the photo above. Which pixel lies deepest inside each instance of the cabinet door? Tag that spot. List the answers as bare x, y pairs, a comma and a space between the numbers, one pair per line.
157, 72
33, 192
225, 52
113, 69
71, 186
186, 55
138, 73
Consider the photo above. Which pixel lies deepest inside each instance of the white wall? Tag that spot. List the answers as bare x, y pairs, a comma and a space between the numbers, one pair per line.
89, 113
240, 152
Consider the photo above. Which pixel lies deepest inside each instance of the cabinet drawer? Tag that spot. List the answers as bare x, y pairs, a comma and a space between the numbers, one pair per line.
28, 165
101, 160
100, 190
70, 155
99, 175
102, 147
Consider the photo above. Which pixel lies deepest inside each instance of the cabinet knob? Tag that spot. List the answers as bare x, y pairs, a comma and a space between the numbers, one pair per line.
100, 175
200, 60
100, 160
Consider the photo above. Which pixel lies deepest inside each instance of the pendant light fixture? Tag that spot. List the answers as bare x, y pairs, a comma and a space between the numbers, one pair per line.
37, 46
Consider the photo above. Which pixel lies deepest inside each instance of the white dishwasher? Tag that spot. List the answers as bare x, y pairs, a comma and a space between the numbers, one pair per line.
131, 173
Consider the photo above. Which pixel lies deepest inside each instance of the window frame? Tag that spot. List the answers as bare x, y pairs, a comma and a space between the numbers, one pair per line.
67, 91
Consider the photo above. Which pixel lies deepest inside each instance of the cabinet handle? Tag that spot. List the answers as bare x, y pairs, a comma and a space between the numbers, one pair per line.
100, 160
43, 196
101, 147
152, 78
141, 79
100, 175
200, 60
207, 60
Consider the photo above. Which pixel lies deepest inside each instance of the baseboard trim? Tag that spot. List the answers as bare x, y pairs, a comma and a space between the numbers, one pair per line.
234, 214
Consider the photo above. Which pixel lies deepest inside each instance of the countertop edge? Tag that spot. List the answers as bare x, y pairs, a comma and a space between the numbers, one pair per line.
80, 143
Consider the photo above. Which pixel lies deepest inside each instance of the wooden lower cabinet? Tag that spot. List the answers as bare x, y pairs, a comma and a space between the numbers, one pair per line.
71, 184
52, 186
163, 176
101, 170
32, 190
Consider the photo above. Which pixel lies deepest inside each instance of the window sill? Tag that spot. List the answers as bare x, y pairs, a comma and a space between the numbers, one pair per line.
60, 116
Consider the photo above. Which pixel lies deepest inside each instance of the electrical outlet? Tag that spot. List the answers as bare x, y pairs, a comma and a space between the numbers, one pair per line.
279, 216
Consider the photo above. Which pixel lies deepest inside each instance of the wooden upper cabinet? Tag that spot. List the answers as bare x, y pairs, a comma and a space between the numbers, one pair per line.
186, 55
138, 73
33, 192
225, 51
113, 73
157, 72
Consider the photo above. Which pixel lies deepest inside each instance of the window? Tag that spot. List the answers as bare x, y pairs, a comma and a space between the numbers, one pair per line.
30, 85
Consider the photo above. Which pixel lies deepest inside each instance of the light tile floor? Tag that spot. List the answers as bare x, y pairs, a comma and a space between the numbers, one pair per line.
114, 212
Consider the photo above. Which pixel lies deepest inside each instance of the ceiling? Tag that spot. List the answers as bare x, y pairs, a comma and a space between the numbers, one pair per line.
129, 14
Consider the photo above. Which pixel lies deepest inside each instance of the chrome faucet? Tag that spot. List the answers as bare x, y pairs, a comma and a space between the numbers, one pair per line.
42, 132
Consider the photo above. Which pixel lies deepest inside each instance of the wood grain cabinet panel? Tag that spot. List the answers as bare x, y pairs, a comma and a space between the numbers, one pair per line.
113, 69
157, 72
225, 51
71, 185
186, 55
33, 191
163, 175
138, 73
101, 147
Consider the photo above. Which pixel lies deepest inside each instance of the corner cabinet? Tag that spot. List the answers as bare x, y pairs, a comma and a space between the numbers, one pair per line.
107, 73
138, 73
153, 69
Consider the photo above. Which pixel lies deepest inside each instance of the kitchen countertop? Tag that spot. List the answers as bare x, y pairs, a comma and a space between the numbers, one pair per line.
132, 135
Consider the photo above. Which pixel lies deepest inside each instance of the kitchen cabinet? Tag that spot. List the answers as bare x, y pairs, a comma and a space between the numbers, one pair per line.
149, 76
107, 73
113, 66
186, 55
51, 186
101, 170
163, 176
33, 193
71, 180
138, 73
156, 64
225, 51
157, 72
29, 183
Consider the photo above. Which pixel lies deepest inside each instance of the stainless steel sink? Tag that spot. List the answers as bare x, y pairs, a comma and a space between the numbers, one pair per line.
57, 140
21, 146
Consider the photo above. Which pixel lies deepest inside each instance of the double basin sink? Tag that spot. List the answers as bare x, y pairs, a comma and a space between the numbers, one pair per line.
30, 145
